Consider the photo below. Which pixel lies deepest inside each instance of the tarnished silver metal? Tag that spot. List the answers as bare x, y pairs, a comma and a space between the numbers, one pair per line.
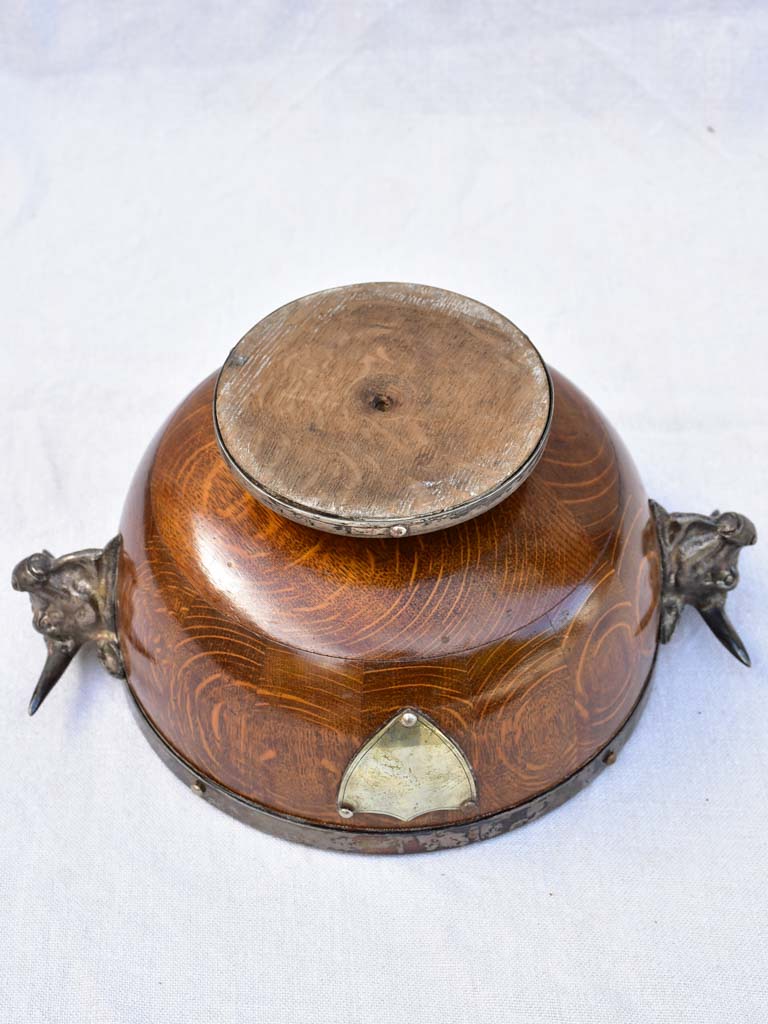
699, 555
73, 603
408, 768
388, 840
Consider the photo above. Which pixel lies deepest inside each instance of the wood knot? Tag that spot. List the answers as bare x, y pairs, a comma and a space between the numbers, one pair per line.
380, 395
381, 403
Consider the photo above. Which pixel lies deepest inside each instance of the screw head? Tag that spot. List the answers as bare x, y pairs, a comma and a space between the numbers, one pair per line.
398, 531
408, 719
609, 757
345, 811
198, 787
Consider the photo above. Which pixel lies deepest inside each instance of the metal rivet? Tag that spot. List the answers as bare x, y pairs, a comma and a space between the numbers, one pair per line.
408, 719
346, 812
398, 531
198, 786
609, 757
469, 805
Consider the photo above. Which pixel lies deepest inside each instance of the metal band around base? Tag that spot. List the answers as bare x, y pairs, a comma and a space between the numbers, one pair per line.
412, 840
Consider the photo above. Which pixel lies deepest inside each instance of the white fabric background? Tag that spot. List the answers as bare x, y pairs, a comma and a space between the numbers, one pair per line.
171, 173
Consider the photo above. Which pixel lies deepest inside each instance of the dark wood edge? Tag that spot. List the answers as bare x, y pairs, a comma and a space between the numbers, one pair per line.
411, 840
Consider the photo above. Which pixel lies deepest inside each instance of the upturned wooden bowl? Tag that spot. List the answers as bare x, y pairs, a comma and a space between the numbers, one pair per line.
318, 644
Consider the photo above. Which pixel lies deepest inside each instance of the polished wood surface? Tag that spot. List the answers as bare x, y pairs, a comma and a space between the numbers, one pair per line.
266, 652
382, 402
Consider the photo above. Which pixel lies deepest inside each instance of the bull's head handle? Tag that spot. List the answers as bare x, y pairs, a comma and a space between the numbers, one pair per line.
73, 603
699, 555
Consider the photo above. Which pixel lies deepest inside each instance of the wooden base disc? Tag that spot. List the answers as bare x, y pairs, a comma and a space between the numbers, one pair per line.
383, 409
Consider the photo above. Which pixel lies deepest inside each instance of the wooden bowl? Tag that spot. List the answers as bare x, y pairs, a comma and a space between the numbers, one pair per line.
388, 583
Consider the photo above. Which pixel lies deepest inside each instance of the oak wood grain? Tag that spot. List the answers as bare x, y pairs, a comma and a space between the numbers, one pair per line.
382, 402
266, 652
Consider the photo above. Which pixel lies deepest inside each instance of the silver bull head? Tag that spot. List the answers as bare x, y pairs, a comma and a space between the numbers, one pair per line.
699, 556
72, 601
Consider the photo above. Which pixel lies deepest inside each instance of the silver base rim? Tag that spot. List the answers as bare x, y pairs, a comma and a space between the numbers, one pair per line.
412, 840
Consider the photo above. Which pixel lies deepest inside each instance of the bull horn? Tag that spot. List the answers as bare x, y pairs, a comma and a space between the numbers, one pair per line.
55, 665
721, 626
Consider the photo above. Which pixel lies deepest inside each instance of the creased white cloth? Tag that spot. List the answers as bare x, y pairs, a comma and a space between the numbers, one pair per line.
171, 173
